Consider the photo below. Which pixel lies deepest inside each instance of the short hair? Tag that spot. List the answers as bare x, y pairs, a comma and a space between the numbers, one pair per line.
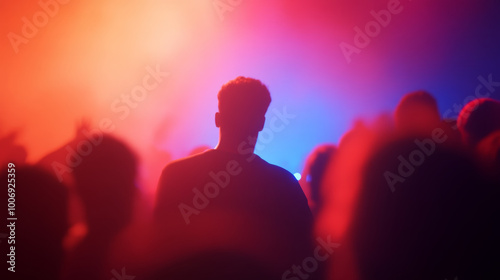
243, 99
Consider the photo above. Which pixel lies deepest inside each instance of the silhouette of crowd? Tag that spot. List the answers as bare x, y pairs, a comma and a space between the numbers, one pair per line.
409, 195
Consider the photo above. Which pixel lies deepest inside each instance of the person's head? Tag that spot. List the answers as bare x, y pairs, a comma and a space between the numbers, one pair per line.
417, 112
105, 182
315, 169
478, 119
243, 103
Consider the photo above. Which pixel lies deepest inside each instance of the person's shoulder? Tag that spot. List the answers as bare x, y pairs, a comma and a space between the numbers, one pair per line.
285, 189
189, 162
277, 171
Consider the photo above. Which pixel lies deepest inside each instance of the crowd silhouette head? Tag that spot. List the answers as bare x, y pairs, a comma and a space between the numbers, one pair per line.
478, 119
417, 112
313, 174
243, 103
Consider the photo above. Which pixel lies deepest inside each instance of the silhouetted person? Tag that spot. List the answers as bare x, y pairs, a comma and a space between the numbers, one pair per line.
41, 203
424, 214
479, 125
340, 188
315, 168
478, 119
105, 182
417, 113
230, 199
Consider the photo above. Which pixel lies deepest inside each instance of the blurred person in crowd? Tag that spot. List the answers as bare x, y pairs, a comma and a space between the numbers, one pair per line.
417, 113
313, 173
423, 213
35, 237
105, 183
479, 125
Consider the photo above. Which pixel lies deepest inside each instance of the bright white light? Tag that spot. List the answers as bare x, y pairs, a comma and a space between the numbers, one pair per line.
297, 175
